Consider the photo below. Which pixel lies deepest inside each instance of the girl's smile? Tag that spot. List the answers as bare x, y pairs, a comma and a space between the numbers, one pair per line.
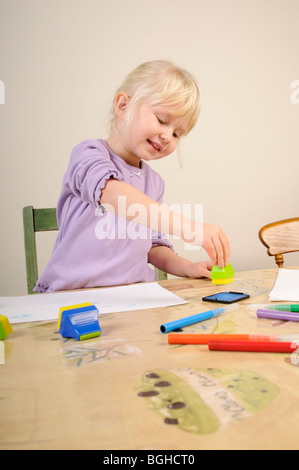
156, 147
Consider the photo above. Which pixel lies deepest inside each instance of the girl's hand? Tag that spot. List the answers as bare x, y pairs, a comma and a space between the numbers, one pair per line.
200, 269
216, 244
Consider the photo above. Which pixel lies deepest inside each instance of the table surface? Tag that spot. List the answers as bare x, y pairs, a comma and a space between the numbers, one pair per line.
128, 389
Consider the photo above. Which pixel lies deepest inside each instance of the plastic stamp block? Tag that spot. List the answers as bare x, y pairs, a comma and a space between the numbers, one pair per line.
222, 276
5, 327
79, 321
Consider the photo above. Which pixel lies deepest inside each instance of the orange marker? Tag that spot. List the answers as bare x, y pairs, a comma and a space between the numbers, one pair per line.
177, 338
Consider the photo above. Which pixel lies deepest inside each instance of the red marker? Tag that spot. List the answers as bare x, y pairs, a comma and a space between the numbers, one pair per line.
253, 346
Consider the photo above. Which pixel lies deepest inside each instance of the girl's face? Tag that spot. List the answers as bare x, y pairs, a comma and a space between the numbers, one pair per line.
151, 133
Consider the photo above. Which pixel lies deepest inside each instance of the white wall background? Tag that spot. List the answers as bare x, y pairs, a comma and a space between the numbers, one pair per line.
61, 61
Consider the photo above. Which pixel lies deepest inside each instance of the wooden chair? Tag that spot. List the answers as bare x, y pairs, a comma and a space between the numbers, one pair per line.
35, 220
280, 237
43, 220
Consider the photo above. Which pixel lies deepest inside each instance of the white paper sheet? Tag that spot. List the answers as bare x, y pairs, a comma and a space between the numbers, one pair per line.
38, 307
286, 287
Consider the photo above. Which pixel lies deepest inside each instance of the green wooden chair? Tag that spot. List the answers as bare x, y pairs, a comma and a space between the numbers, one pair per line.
35, 220
43, 220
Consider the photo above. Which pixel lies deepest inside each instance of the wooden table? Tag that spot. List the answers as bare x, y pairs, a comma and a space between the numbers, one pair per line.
129, 389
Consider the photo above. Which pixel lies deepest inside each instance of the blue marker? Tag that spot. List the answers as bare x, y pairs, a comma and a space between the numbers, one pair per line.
174, 325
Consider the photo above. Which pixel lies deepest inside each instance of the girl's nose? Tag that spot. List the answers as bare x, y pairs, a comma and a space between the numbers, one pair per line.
166, 136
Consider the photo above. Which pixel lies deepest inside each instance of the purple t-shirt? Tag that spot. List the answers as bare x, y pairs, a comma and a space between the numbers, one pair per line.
95, 247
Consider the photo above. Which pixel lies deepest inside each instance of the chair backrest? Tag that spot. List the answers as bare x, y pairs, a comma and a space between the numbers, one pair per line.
43, 220
280, 237
35, 220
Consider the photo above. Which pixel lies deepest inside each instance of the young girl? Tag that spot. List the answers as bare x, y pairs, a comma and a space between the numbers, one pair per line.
110, 213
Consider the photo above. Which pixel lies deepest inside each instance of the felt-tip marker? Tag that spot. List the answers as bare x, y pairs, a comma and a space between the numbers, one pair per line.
285, 308
282, 307
253, 346
277, 314
174, 325
202, 338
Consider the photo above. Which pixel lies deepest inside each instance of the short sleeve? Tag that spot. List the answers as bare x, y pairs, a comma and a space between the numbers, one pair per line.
89, 168
159, 239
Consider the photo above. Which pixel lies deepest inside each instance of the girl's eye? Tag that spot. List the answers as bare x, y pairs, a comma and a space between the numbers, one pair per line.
175, 135
161, 121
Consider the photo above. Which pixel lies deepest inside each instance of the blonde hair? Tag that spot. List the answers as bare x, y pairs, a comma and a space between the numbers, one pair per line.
161, 82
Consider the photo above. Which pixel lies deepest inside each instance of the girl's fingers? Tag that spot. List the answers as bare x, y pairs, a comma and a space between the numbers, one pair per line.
219, 250
217, 246
226, 249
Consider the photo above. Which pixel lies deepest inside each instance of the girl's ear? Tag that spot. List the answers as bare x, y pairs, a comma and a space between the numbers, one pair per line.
121, 103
